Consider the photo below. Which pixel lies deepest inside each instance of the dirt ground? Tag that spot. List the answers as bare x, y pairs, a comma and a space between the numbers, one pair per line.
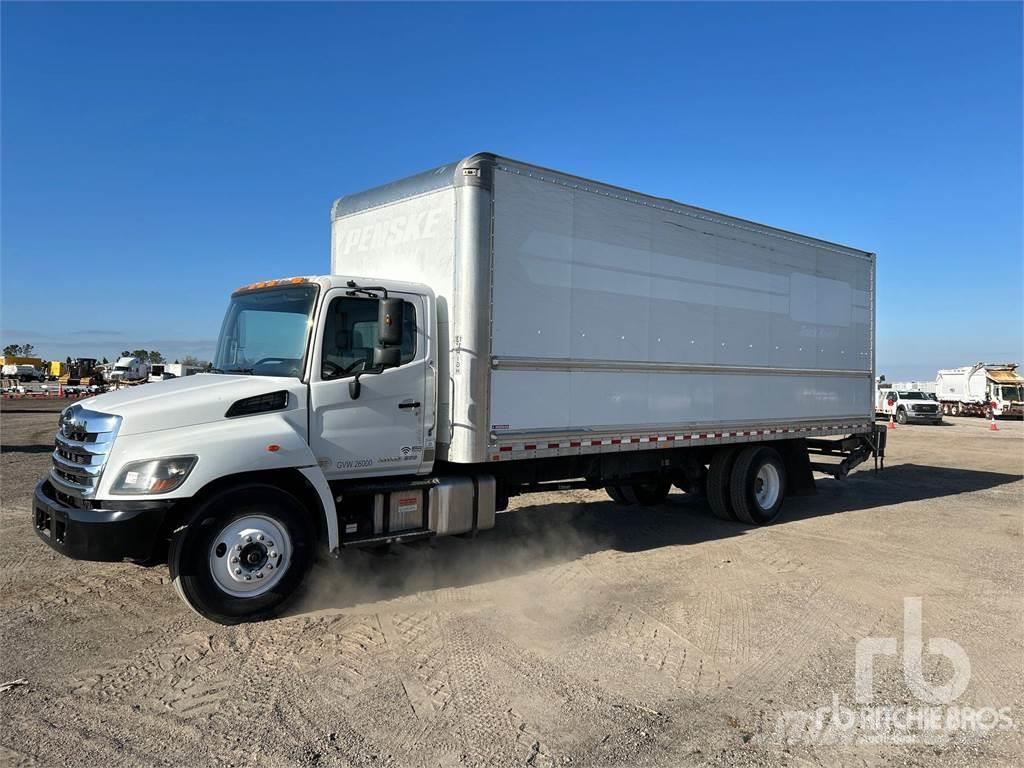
576, 633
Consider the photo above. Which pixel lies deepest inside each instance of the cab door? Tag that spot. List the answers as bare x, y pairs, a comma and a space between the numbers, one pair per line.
387, 429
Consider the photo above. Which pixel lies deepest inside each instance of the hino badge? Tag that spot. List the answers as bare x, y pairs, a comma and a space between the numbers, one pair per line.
489, 328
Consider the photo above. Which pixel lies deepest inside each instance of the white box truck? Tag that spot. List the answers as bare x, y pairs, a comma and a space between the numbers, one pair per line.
489, 328
129, 370
168, 371
982, 389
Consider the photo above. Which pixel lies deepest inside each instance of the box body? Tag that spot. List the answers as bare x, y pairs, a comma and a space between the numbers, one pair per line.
575, 311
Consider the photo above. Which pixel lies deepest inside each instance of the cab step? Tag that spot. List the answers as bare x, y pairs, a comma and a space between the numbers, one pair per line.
402, 537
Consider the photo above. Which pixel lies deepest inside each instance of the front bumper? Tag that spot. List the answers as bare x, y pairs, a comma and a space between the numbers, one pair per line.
130, 532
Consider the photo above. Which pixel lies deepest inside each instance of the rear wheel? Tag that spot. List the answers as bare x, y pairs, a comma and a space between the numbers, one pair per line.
243, 555
954, 409
719, 474
758, 485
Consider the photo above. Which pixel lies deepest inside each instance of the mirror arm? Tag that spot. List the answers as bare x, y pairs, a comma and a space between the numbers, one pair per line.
355, 388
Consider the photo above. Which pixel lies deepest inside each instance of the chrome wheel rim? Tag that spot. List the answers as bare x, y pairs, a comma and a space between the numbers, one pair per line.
767, 486
250, 555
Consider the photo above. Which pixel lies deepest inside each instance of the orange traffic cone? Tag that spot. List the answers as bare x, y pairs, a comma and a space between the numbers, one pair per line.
992, 424
892, 424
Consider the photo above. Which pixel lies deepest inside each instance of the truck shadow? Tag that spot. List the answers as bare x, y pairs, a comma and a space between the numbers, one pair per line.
540, 536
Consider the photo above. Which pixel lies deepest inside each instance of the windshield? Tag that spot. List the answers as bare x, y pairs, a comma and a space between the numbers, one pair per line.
1013, 393
120, 367
265, 332
913, 396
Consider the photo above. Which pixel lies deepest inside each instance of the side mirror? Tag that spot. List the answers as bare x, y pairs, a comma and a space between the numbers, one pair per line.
388, 351
389, 322
386, 357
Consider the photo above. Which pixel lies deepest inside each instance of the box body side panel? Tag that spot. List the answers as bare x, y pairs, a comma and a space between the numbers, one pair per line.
611, 311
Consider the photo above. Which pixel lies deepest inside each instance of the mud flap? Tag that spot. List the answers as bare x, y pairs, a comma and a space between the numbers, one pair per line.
799, 477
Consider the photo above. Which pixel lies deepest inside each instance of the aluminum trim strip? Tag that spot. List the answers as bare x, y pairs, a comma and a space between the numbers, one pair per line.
624, 366
531, 448
675, 429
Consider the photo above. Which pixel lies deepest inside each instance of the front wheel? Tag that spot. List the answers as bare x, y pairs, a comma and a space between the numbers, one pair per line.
243, 555
901, 416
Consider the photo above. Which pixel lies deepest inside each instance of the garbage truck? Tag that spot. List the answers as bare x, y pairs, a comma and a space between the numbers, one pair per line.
488, 328
982, 389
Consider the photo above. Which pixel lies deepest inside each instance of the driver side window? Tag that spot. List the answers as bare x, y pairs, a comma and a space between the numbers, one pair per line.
350, 334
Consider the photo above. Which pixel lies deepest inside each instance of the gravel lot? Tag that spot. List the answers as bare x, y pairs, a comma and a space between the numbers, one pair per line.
576, 633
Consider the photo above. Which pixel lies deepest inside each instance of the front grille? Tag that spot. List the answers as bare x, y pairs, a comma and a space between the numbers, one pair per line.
926, 408
82, 445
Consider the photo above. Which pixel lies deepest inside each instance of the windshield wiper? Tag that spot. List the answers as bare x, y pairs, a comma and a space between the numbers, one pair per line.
231, 370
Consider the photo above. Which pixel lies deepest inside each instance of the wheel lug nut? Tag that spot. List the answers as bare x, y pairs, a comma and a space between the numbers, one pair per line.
248, 577
273, 554
259, 575
270, 566
234, 559
260, 537
270, 543
238, 570
238, 547
248, 539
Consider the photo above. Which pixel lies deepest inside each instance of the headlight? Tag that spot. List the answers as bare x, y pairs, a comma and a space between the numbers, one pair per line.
154, 476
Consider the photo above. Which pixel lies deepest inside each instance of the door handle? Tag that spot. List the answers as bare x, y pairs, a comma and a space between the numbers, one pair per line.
409, 405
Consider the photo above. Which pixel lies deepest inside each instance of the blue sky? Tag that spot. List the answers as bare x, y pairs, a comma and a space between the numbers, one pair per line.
156, 156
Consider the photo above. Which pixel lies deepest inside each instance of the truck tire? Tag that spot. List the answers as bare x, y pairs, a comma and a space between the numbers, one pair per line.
901, 416
719, 474
615, 492
646, 494
954, 409
758, 485
243, 554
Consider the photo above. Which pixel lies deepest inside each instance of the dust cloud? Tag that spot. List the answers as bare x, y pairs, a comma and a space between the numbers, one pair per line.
538, 531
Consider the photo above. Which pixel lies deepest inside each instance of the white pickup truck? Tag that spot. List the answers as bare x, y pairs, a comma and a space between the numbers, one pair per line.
908, 406
489, 328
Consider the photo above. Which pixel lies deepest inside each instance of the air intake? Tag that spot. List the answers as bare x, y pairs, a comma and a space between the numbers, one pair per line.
275, 401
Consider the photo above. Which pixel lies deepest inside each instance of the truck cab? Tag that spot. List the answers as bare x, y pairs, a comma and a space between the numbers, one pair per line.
321, 388
1006, 397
